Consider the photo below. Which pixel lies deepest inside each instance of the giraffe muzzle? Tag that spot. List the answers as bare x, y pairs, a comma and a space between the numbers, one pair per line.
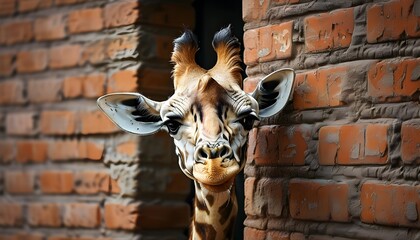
213, 151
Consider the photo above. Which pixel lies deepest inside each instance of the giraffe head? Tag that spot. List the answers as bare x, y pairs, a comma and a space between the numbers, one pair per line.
209, 115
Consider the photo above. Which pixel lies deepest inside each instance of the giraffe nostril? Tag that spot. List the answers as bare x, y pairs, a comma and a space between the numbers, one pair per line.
202, 154
225, 152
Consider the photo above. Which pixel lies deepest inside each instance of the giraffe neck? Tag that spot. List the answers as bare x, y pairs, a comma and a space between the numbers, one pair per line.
214, 214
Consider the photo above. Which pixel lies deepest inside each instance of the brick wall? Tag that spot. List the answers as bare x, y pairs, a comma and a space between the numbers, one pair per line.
341, 161
56, 58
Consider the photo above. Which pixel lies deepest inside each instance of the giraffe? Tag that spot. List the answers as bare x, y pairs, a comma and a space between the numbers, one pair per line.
209, 117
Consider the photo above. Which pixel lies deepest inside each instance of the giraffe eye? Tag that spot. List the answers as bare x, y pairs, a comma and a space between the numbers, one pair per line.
173, 126
248, 122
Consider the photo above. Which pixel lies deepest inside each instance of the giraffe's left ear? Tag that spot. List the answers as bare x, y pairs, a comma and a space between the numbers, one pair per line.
274, 91
132, 112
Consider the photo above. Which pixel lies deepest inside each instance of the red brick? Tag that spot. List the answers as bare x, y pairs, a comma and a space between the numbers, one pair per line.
268, 43
121, 13
68, 2
19, 31
321, 88
28, 236
92, 182
11, 214
410, 139
50, 28
178, 183
263, 197
72, 86
8, 7
329, 31
354, 144
37, 93
58, 122
56, 182
20, 123
11, 92
276, 145
278, 235
85, 215
254, 234
62, 237
123, 46
392, 20
31, 151
96, 122
94, 52
94, 85
119, 216
31, 61
7, 151
155, 81
75, 150
253, 10
44, 215
122, 81
64, 56
30, 5
390, 204
85, 20
393, 80
319, 200
6, 64
19, 182
128, 148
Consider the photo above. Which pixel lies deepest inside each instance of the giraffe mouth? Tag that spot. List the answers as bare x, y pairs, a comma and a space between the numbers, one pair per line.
216, 174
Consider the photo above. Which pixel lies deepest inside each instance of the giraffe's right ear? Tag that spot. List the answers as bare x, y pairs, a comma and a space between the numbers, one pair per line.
132, 112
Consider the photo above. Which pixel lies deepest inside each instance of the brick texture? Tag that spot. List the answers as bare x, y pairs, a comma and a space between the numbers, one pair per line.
66, 171
345, 149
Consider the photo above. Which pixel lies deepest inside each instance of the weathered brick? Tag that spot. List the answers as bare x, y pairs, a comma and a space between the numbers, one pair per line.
72, 53
154, 81
44, 215
392, 20
264, 197
85, 215
254, 234
85, 20
274, 145
122, 81
329, 31
19, 182
28, 236
121, 13
94, 85
37, 93
390, 204
20, 123
68, 2
31, 151
19, 31
75, 150
157, 216
83, 237
30, 5
11, 214
394, 80
11, 92
178, 183
122, 47
96, 122
72, 86
50, 28
128, 148
354, 144
410, 141
253, 10
279, 235
8, 7
319, 200
31, 61
6, 64
168, 14
319, 88
94, 52
56, 182
7, 151
120, 216
268, 43
92, 182
58, 122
